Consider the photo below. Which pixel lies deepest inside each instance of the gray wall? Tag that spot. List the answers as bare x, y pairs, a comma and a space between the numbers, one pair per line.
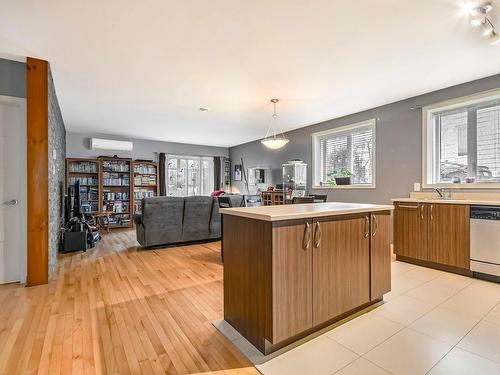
78, 146
398, 145
57, 155
12, 78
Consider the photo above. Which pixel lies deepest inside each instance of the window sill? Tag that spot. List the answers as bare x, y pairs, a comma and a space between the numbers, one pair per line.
340, 187
476, 185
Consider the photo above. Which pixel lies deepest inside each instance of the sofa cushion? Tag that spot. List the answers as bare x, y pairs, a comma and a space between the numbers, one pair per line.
215, 221
162, 219
197, 215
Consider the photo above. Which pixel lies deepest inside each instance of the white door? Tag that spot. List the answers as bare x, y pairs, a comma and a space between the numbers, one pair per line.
13, 220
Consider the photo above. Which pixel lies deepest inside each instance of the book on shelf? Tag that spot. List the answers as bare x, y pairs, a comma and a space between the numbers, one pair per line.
117, 207
143, 193
119, 220
84, 180
115, 179
116, 165
145, 180
112, 195
83, 167
145, 169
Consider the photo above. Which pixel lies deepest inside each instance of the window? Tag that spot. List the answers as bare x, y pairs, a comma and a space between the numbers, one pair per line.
462, 142
352, 147
189, 175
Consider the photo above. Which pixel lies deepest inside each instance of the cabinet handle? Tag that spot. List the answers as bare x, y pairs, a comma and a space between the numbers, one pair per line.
432, 209
375, 225
317, 232
367, 226
422, 212
406, 206
307, 236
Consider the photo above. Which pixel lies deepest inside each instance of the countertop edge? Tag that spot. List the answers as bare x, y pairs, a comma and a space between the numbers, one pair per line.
295, 216
447, 201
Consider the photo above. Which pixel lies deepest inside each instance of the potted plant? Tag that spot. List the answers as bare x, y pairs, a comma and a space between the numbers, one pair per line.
342, 177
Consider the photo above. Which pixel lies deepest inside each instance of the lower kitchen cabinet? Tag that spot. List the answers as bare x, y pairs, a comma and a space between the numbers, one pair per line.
285, 278
341, 261
292, 278
410, 230
449, 234
380, 254
436, 233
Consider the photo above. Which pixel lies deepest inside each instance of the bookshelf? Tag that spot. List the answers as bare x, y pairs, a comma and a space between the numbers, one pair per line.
145, 182
116, 191
87, 172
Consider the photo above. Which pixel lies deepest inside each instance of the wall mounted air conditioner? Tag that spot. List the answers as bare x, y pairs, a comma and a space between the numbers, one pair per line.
110, 144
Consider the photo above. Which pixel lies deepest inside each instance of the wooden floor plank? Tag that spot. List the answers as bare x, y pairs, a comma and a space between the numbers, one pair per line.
117, 309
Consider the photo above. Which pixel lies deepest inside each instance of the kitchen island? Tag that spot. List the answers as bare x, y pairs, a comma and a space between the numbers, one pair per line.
293, 269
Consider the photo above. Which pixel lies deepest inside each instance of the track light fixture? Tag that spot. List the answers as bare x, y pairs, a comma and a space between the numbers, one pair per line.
479, 18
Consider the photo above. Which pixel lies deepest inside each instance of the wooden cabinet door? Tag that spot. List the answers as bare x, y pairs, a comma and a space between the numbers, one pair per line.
410, 230
292, 278
341, 261
449, 234
380, 254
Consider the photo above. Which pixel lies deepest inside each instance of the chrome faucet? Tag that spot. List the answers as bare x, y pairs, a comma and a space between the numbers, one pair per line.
440, 192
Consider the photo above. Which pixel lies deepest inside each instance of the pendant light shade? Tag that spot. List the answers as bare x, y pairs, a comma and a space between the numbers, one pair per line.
274, 143
275, 139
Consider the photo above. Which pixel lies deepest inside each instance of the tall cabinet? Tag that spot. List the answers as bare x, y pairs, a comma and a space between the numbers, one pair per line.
294, 179
145, 182
116, 191
86, 172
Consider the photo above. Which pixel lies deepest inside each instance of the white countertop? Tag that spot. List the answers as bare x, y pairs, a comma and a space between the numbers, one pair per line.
303, 211
447, 201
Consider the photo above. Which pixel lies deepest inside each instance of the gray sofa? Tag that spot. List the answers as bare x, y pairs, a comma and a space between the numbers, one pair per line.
170, 220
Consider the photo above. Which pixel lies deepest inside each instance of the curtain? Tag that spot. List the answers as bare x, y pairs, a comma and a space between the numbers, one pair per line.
161, 173
217, 172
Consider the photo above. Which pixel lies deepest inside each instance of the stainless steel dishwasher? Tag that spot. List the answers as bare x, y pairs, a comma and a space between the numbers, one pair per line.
485, 240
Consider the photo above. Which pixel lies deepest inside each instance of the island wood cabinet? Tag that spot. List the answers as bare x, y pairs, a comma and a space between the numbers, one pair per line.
341, 261
295, 275
434, 234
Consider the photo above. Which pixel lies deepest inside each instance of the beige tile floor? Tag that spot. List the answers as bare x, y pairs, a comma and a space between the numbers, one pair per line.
431, 322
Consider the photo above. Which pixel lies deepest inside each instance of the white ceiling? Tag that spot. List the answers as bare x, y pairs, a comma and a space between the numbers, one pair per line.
143, 68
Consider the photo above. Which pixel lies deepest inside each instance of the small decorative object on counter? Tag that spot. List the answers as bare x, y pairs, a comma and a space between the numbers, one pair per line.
470, 180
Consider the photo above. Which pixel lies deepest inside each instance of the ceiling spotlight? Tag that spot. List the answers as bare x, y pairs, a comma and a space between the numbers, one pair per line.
486, 27
476, 22
486, 7
203, 109
494, 38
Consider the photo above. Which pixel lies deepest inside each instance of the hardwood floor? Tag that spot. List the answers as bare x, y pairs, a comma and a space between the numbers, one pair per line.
118, 310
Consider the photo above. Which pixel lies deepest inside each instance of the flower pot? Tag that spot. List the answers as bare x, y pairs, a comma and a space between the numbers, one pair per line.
343, 180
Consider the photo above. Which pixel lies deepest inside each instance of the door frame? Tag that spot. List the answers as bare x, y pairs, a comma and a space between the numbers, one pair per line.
20, 103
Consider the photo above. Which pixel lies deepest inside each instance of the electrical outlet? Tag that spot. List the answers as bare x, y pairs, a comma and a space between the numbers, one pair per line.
416, 186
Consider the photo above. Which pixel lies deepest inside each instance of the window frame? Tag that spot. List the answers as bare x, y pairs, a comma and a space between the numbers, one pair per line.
316, 162
428, 139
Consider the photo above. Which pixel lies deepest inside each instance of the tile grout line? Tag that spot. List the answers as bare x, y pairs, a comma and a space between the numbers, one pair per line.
408, 326
455, 346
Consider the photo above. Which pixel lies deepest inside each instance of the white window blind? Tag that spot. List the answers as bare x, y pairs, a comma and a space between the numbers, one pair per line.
351, 147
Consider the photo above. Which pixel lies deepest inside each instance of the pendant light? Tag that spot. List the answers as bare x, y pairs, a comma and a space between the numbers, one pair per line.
275, 139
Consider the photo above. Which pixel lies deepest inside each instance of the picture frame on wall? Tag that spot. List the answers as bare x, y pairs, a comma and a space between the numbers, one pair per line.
237, 172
